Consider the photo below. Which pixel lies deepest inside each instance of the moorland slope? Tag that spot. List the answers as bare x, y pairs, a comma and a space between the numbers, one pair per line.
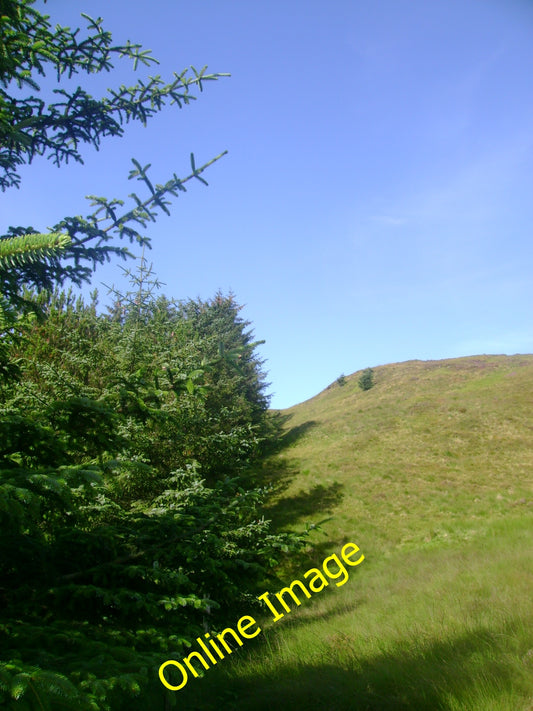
430, 473
433, 452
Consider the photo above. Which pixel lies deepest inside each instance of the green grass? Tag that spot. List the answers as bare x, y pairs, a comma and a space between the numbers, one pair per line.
429, 472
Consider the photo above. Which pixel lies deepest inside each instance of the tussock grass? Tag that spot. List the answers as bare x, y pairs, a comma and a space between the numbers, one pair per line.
430, 473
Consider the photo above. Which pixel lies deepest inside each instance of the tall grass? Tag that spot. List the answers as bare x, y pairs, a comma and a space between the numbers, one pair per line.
429, 472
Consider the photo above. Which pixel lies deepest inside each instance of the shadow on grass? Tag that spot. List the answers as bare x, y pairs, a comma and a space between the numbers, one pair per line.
300, 508
291, 436
430, 676
318, 502
307, 615
284, 436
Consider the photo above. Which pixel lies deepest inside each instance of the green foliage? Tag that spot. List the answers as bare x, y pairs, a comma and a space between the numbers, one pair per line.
17, 252
366, 381
108, 523
128, 517
31, 248
341, 380
30, 47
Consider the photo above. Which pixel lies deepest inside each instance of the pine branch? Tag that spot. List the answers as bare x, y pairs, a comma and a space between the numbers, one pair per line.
30, 248
143, 213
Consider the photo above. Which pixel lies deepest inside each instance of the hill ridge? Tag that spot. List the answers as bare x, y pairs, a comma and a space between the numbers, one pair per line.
483, 361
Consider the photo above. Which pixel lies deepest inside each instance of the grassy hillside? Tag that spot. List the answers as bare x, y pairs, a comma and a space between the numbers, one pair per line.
434, 453
430, 473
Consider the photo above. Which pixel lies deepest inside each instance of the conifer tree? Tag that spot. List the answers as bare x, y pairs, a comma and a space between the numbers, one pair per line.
366, 380
31, 48
107, 522
112, 544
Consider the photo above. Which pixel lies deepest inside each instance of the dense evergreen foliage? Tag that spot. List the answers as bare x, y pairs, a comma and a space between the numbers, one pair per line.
114, 550
366, 380
128, 517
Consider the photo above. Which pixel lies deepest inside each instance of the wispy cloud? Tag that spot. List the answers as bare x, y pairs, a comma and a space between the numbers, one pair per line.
473, 192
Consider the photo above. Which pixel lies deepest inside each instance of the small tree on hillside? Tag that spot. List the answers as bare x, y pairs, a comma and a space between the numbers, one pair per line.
366, 381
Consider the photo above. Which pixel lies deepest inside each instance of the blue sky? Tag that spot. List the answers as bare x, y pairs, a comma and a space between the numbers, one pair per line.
376, 202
